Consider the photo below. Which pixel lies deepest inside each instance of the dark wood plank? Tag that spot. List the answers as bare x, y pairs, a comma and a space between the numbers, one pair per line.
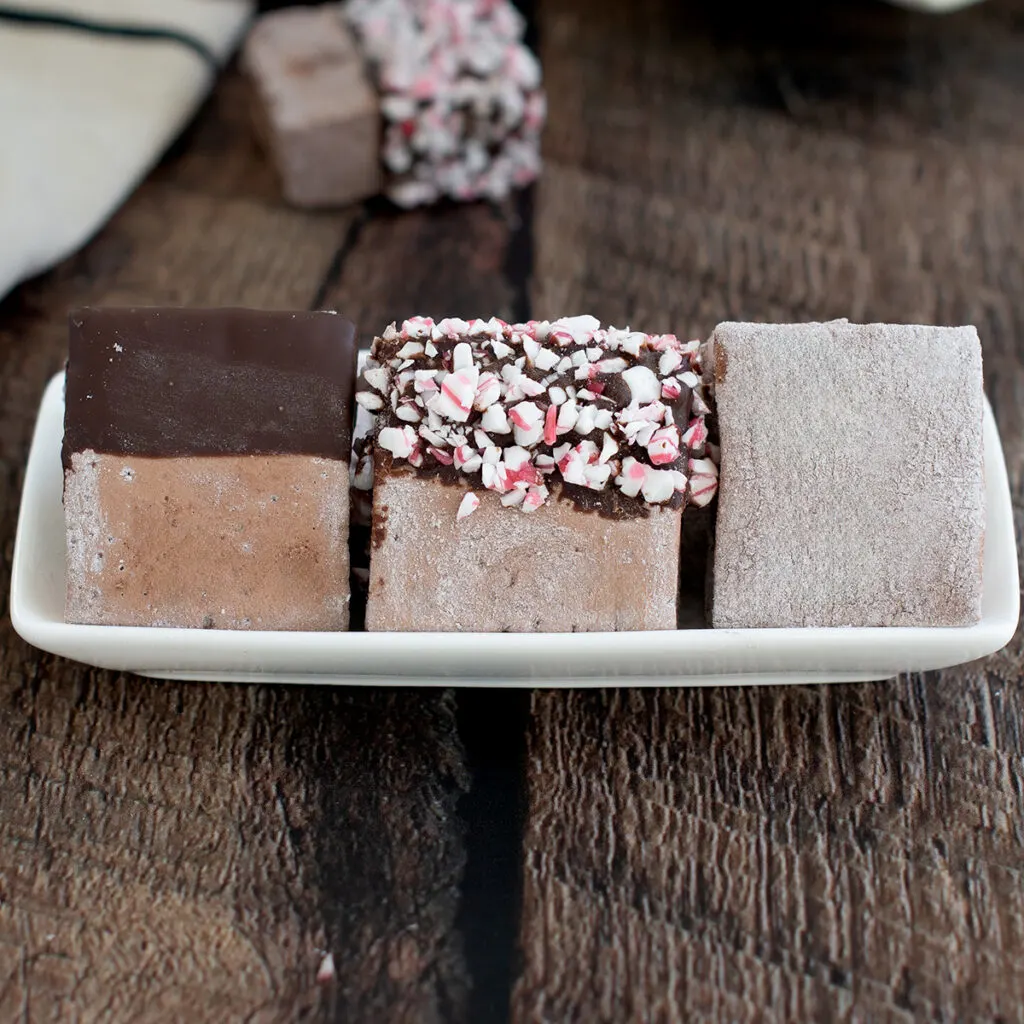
172, 851
390, 848
771, 854
851, 851
463, 261
441, 261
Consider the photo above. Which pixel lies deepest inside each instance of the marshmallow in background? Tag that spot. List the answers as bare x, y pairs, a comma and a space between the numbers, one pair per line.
420, 99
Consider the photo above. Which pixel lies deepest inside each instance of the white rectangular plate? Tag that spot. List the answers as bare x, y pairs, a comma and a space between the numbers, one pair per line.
694, 657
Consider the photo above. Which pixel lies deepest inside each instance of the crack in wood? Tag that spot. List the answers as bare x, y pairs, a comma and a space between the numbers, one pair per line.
493, 725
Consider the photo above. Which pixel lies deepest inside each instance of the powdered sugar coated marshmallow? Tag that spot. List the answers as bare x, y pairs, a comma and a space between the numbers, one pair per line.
852, 490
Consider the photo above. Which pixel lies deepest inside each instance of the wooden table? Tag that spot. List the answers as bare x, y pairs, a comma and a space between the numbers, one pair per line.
191, 851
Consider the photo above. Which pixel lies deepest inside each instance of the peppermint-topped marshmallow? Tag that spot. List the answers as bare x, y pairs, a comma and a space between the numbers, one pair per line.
612, 418
460, 96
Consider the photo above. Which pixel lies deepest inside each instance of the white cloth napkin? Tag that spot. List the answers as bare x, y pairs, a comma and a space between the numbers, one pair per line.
84, 116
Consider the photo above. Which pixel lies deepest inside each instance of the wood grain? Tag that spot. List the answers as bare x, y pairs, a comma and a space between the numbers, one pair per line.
768, 854
192, 851
172, 851
849, 852
442, 261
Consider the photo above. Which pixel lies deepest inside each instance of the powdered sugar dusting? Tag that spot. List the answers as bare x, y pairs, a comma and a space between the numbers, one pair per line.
546, 571
856, 504
86, 535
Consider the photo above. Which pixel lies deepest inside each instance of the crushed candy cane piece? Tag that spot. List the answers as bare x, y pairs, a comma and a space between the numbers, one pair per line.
670, 361
325, 972
663, 447
550, 425
535, 497
495, 419
643, 385
703, 481
409, 349
568, 414
632, 477
400, 441
547, 360
369, 401
608, 448
696, 435
376, 377
488, 391
597, 476
458, 391
659, 485
528, 423
462, 356
417, 327
586, 420
470, 503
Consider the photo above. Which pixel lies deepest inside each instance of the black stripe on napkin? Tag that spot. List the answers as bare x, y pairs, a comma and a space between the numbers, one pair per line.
154, 33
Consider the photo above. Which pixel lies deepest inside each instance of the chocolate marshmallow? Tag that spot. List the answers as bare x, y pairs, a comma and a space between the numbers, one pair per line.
531, 476
206, 468
852, 490
315, 106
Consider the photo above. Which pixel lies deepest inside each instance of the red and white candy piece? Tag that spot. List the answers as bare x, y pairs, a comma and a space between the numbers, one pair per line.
644, 385
400, 441
696, 435
703, 481
527, 423
369, 401
470, 503
457, 394
664, 446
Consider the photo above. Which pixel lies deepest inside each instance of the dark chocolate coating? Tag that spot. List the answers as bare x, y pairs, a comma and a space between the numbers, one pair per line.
609, 502
179, 382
